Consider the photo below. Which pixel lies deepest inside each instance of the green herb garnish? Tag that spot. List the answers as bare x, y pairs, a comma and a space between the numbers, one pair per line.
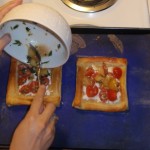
50, 53
28, 31
58, 46
33, 70
29, 59
17, 42
15, 27
45, 62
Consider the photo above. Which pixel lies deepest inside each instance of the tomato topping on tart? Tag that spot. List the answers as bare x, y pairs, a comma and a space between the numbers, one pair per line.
91, 91
24, 89
102, 83
117, 72
28, 79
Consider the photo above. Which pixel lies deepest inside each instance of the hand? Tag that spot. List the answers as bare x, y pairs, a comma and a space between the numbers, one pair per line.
37, 129
4, 40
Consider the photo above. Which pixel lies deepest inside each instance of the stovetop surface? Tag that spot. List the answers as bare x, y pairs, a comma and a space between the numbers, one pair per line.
123, 14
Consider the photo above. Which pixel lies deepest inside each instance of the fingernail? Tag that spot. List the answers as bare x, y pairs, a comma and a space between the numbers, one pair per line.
55, 118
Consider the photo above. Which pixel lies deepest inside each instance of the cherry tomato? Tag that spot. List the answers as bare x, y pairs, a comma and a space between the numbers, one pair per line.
45, 81
112, 95
89, 72
22, 80
91, 91
33, 86
103, 95
117, 72
24, 89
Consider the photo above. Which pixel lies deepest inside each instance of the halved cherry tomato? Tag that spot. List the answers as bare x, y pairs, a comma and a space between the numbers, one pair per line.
89, 72
33, 86
24, 89
45, 81
22, 80
117, 72
91, 91
112, 95
103, 95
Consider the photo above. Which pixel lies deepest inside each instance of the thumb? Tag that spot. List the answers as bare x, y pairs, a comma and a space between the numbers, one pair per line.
4, 40
8, 6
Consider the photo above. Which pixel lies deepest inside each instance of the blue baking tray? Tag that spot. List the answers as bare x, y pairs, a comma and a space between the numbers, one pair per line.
92, 129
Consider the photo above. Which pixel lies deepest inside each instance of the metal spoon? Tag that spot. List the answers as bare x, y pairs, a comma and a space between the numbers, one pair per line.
39, 62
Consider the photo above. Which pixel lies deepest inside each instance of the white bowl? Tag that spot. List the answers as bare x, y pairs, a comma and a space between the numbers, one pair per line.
41, 26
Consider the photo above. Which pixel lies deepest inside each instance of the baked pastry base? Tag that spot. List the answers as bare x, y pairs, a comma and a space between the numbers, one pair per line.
90, 104
14, 98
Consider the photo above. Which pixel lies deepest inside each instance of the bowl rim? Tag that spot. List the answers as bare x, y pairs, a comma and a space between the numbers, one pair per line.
66, 42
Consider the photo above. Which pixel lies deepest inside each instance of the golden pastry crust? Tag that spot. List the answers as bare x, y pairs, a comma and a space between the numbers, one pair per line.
90, 104
14, 98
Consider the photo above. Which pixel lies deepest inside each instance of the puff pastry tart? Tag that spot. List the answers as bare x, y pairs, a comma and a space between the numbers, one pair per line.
23, 84
101, 84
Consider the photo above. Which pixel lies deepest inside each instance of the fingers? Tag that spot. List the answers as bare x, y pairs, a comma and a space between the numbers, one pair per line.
4, 40
53, 120
38, 100
50, 130
48, 112
51, 126
37, 107
8, 6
